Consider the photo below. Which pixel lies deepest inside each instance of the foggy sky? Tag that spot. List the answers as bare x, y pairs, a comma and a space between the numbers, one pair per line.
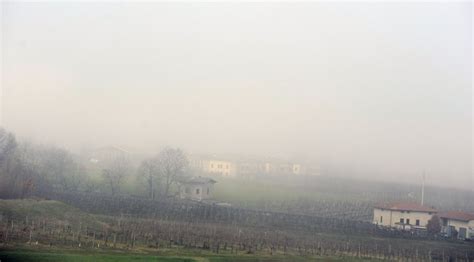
363, 88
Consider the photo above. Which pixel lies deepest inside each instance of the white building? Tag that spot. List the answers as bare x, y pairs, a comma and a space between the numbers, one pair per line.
235, 166
284, 168
197, 188
108, 154
221, 167
249, 168
207, 165
403, 215
457, 223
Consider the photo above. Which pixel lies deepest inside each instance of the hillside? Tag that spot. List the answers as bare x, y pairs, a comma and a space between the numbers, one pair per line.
50, 210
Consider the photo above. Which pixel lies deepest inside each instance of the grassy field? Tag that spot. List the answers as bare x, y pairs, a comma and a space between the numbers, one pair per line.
53, 211
258, 193
263, 191
74, 255
50, 257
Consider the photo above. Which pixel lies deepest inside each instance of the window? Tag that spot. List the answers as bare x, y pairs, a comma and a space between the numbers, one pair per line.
208, 191
212, 165
417, 222
381, 219
219, 166
408, 221
402, 221
227, 166
197, 191
187, 190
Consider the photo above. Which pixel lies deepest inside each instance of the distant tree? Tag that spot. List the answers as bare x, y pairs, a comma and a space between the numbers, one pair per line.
61, 169
171, 166
88, 185
26, 167
148, 171
24, 171
8, 145
114, 173
434, 225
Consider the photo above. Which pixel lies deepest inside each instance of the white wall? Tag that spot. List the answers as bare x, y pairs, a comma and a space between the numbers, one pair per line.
392, 218
192, 194
469, 226
225, 168
382, 217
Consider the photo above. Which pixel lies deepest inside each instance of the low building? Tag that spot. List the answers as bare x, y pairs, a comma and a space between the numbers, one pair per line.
311, 170
242, 166
221, 167
457, 224
197, 188
108, 154
282, 168
403, 215
249, 168
209, 165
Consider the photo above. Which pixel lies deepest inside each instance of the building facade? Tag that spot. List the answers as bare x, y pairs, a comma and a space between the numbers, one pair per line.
272, 168
250, 168
244, 167
403, 215
197, 188
457, 224
108, 154
203, 165
221, 167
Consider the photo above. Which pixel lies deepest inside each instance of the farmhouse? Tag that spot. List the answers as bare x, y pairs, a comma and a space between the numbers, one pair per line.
212, 166
249, 168
457, 224
221, 167
239, 166
403, 215
197, 188
108, 154
282, 168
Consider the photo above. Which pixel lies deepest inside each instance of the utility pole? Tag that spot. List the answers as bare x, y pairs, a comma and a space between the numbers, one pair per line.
423, 189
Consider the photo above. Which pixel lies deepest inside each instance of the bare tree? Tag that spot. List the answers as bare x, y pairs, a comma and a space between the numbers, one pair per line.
114, 173
26, 167
149, 171
24, 170
172, 165
7, 145
61, 169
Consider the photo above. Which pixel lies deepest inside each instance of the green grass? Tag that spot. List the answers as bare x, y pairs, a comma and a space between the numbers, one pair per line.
50, 210
255, 193
42, 256
28, 256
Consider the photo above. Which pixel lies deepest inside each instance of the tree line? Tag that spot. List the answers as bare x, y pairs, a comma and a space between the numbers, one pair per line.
28, 168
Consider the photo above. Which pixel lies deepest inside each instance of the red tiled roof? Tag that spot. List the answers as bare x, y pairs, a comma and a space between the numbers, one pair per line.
405, 206
457, 215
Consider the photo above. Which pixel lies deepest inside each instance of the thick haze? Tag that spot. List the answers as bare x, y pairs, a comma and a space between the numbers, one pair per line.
361, 89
